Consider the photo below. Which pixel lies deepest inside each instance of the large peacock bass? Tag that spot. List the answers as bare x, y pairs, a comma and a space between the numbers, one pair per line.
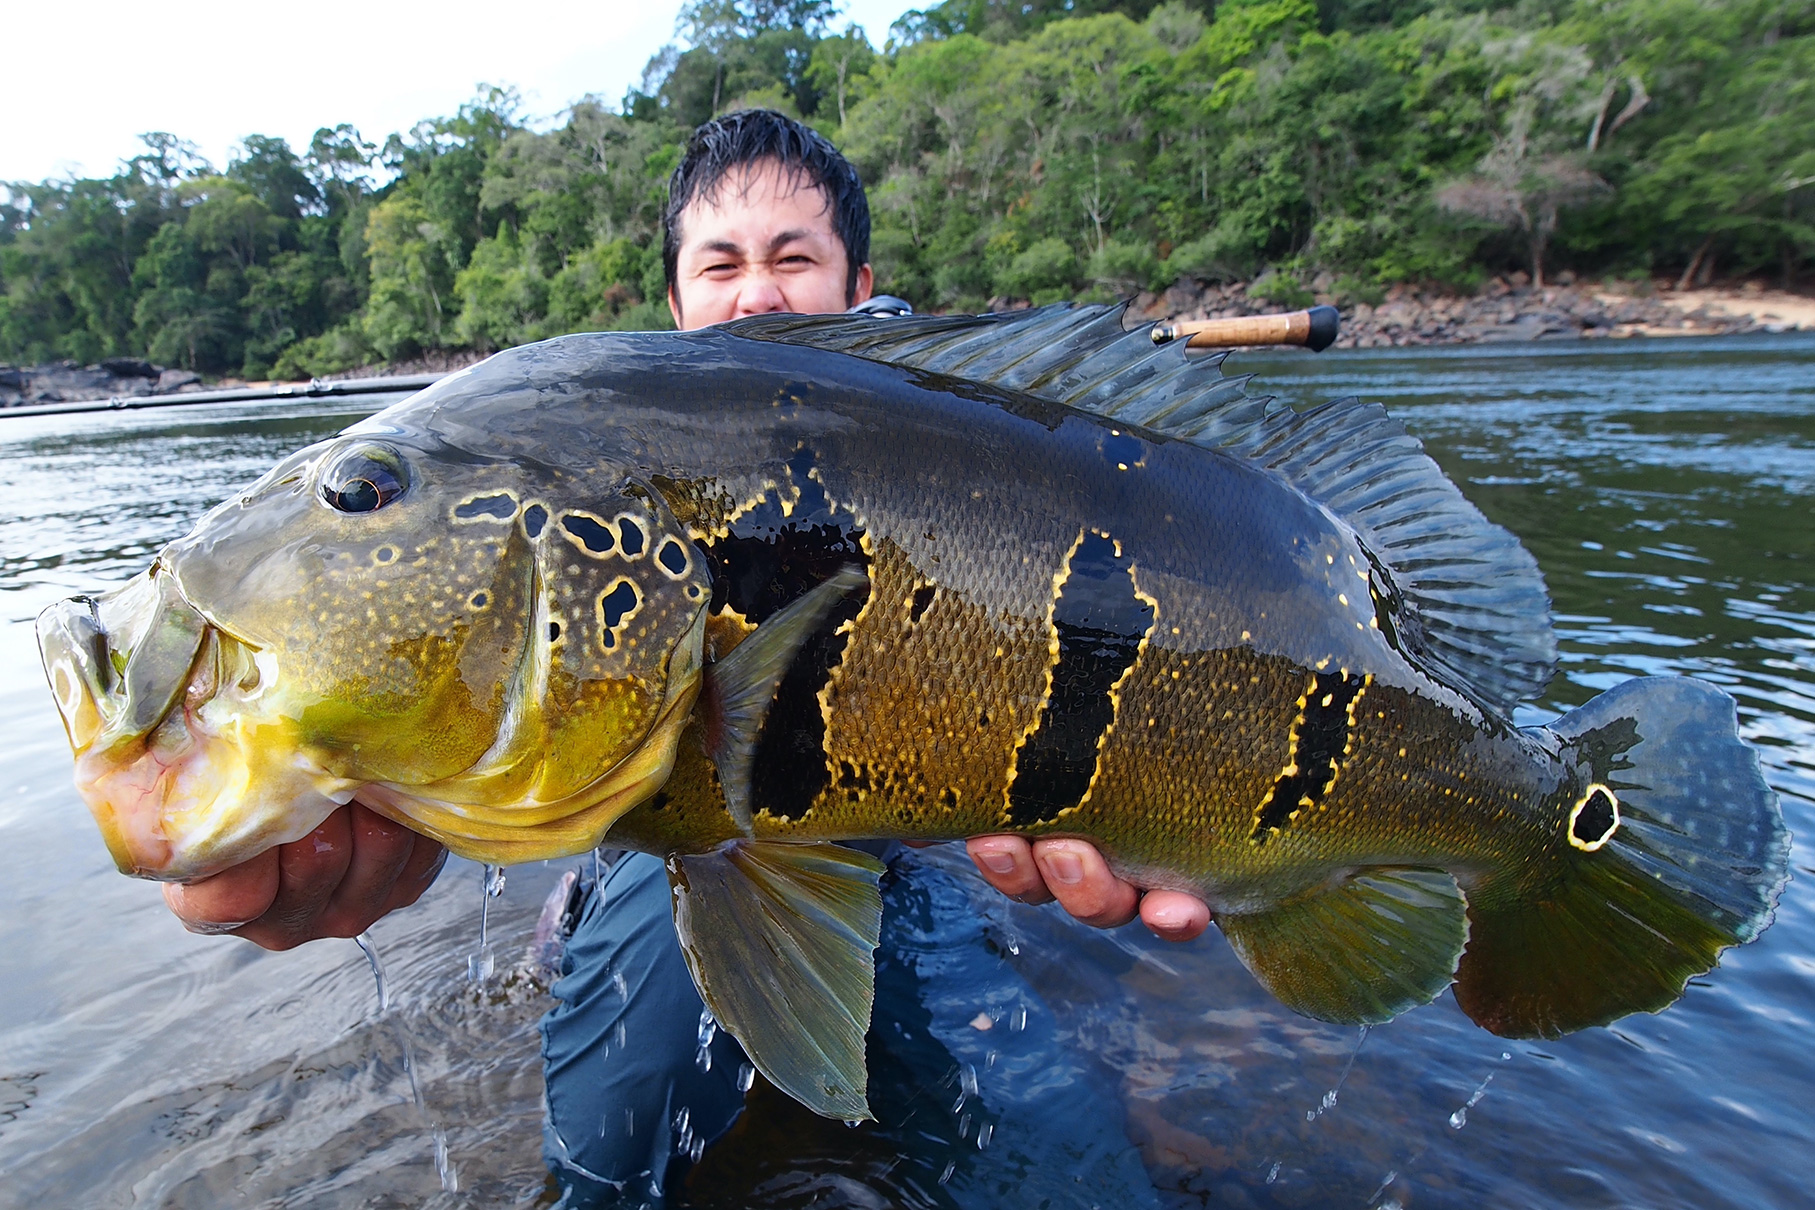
729, 595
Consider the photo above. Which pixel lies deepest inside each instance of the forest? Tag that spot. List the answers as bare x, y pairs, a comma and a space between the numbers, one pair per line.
1014, 150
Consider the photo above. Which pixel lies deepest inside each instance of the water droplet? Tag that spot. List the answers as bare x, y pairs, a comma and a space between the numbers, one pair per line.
630, 1122
959, 1103
702, 1058
370, 949
947, 1174
683, 1117
1017, 1020
746, 1076
479, 966
967, 1080
619, 986
985, 1132
1459, 1119
708, 1027
964, 1125
1273, 1173
444, 1165
621, 1035
698, 1149
494, 881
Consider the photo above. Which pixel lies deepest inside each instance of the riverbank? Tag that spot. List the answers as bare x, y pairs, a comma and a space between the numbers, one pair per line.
1509, 308
1506, 309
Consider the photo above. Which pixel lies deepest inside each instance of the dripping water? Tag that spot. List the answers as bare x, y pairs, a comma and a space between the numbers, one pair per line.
444, 1164
1329, 1098
481, 962
1459, 1119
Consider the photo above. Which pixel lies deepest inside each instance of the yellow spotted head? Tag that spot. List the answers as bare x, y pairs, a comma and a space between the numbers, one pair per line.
499, 652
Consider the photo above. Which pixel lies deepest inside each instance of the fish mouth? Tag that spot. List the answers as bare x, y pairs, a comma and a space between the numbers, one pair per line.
184, 753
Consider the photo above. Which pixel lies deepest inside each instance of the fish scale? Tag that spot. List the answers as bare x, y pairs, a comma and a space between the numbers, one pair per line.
753, 590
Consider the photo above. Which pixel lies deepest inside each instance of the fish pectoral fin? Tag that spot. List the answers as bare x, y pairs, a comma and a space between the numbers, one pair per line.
1361, 952
738, 689
781, 939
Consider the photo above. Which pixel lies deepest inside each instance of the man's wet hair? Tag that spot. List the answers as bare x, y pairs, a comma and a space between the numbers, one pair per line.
750, 136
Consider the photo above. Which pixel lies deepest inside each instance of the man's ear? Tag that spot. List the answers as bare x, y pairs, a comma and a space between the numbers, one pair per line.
866, 285
674, 307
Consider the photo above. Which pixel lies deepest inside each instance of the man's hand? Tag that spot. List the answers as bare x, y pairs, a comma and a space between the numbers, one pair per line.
334, 882
1074, 873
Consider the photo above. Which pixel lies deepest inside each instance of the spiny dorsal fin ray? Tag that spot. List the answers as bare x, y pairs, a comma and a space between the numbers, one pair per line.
1466, 601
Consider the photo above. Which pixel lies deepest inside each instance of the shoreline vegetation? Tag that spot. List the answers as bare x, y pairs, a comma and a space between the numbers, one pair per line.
1441, 170
1506, 310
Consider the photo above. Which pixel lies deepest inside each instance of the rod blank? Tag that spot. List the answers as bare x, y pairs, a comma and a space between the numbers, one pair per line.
1314, 329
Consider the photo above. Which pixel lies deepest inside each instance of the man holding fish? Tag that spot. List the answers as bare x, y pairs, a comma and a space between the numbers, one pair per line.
764, 216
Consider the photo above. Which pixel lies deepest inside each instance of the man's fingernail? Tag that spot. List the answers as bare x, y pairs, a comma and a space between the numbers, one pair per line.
1065, 867
997, 862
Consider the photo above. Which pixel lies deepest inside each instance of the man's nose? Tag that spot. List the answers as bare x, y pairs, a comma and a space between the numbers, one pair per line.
761, 295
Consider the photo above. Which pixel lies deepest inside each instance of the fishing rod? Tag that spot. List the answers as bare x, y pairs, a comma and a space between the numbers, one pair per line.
317, 388
1315, 329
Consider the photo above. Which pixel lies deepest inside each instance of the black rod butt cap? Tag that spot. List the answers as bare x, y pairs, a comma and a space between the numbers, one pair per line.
1324, 323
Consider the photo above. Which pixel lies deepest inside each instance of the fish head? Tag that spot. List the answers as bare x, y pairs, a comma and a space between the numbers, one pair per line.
498, 653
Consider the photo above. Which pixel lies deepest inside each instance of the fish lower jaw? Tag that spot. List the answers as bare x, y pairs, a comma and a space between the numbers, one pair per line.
190, 801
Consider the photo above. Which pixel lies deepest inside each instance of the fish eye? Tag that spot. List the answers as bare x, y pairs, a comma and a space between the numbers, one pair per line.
363, 479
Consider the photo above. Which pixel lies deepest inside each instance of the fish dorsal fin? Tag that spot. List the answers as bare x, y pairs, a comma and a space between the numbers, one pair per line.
1461, 598
1380, 942
781, 940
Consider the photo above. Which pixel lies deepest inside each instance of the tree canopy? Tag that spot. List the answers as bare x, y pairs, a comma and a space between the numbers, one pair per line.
1033, 150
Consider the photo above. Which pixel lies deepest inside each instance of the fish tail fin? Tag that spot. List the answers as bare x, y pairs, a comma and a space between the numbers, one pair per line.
1673, 849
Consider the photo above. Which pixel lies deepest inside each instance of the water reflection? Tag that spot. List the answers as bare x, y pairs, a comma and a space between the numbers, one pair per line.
1667, 490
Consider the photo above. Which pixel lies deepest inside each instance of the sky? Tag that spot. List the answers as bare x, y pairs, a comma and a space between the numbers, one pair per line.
86, 80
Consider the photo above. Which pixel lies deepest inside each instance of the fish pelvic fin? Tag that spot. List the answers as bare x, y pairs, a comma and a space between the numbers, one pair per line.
737, 690
781, 941
1361, 951
1673, 849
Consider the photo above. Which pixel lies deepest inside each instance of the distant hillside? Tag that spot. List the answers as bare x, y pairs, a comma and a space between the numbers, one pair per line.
1014, 152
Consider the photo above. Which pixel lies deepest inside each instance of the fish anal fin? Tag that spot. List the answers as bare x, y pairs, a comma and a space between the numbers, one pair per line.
781, 941
738, 689
1598, 944
1382, 941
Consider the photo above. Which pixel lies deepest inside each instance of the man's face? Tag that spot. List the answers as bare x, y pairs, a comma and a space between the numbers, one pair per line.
763, 244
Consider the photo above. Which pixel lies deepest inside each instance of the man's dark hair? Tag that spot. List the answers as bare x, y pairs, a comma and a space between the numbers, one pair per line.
750, 136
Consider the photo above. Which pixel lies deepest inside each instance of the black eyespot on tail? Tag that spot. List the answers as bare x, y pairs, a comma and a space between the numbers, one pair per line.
1101, 620
554, 631
594, 537
535, 517
673, 558
1594, 819
630, 536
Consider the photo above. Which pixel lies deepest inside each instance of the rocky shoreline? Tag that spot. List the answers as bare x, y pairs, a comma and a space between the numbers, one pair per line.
67, 382
1509, 309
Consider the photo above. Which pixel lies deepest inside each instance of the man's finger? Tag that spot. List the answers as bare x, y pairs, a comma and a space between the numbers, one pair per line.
229, 899
419, 872
381, 849
309, 870
1080, 879
1174, 915
1007, 863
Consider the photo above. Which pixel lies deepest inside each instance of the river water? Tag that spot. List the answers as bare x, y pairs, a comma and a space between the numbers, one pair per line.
1666, 488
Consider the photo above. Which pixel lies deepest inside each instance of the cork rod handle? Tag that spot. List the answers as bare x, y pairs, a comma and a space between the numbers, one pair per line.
1315, 329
